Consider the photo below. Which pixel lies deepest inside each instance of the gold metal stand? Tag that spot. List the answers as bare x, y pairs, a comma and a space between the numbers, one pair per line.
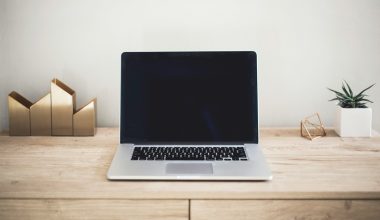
62, 108
85, 120
40, 117
53, 114
19, 116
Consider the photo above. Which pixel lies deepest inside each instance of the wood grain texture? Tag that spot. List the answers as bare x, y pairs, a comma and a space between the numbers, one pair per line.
285, 209
75, 167
94, 209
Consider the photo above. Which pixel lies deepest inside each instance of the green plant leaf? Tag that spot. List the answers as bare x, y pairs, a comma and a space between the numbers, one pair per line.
347, 99
337, 93
345, 90
364, 90
333, 90
366, 100
359, 99
334, 99
361, 96
349, 89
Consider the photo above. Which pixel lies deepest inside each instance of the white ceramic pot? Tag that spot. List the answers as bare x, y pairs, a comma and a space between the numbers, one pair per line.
353, 122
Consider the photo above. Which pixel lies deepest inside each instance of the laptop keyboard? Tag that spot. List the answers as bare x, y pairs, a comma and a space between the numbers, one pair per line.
229, 153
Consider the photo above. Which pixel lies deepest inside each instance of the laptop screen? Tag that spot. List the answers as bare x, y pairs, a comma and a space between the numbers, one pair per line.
189, 97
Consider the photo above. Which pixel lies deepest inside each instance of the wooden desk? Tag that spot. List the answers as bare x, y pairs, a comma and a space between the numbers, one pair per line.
65, 178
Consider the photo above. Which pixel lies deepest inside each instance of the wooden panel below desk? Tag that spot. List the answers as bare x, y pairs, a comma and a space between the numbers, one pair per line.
285, 209
93, 209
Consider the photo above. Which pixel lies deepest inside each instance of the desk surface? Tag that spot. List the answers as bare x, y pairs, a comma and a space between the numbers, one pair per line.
75, 167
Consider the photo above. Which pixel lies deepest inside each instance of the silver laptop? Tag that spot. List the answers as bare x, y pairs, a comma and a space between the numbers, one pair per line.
189, 116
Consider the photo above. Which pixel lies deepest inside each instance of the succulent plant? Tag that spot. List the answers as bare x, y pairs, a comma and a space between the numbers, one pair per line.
347, 99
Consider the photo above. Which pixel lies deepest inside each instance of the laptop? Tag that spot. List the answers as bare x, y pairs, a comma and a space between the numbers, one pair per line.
189, 116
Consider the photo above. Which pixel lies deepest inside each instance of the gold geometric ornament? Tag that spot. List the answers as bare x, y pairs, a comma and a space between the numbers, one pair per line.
85, 120
40, 117
53, 114
62, 108
312, 127
19, 116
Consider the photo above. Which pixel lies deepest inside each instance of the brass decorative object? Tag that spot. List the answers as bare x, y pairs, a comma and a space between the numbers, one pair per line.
40, 117
53, 114
312, 127
62, 108
85, 120
19, 116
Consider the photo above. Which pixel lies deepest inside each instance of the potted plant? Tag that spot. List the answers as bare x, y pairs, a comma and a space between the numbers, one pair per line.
354, 118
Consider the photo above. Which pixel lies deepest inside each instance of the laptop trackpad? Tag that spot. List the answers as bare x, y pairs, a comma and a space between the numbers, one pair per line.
189, 168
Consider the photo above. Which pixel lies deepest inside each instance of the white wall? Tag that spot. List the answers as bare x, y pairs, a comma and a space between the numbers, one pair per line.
303, 47
3, 64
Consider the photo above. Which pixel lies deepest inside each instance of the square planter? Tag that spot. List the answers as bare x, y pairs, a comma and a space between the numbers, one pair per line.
353, 122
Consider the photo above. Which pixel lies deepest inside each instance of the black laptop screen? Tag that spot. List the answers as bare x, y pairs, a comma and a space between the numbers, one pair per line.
188, 97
